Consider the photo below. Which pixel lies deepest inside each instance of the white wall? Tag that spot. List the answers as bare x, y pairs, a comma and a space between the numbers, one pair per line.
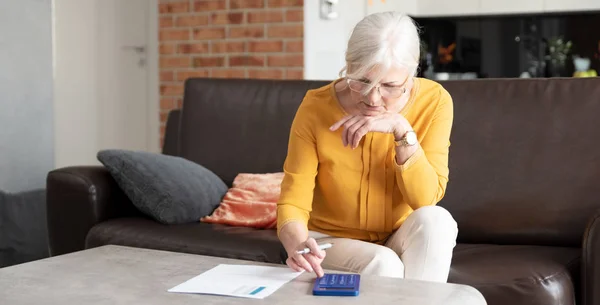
153, 79
26, 131
325, 40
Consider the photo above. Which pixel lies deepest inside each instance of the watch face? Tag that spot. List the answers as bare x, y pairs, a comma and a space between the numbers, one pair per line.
411, 138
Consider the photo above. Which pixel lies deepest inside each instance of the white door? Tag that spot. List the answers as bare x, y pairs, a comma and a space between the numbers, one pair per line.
123, 74
105, 78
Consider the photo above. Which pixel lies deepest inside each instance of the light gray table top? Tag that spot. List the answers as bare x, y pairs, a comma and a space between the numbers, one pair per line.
123, 275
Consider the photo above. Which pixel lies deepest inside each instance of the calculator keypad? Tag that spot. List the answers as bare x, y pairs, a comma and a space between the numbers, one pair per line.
337, 281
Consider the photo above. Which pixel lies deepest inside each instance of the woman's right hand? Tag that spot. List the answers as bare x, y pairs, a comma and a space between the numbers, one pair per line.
309, 262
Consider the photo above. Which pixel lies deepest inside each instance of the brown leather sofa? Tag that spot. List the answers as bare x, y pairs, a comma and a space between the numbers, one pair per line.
524, 183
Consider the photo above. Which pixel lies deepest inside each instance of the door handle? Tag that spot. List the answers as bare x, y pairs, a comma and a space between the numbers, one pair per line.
137, 49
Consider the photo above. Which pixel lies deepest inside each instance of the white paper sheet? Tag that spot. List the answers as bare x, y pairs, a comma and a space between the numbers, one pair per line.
247, 281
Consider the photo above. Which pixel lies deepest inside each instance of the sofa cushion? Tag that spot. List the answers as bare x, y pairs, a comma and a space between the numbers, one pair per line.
253, 116
250, 202
196, 238
170, 189
518, 274
513, 177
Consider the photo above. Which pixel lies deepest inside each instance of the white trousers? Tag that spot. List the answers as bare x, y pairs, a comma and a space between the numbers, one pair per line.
420, 249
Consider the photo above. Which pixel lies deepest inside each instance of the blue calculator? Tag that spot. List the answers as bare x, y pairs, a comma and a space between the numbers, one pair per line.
334, 284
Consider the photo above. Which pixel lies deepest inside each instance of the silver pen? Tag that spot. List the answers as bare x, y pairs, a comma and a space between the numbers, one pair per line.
322, 247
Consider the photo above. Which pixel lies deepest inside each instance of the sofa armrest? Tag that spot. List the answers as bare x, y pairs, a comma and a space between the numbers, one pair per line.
591, 262
77, 199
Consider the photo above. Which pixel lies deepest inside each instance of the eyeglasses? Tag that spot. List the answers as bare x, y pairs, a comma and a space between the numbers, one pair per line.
386, 91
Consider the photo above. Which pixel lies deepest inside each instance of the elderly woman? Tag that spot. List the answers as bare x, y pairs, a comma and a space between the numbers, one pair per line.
368, 162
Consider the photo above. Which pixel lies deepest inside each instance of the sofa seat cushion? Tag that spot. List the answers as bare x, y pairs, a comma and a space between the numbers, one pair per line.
196, 238
518, 274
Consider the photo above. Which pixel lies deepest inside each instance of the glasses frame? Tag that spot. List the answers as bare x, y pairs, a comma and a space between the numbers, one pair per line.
378, 86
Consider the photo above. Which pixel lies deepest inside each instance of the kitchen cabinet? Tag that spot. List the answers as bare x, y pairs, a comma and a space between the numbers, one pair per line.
408, 7
571, 5
431, 8
493, 7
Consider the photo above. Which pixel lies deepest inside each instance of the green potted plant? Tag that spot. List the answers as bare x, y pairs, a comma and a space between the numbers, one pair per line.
558, 51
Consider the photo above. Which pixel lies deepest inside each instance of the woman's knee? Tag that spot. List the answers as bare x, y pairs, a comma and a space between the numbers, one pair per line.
435, 219
385, 262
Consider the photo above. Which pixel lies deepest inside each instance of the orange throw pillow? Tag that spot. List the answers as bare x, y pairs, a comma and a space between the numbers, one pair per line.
250, 202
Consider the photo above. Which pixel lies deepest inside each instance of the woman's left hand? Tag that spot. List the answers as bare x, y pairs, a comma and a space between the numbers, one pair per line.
357, 126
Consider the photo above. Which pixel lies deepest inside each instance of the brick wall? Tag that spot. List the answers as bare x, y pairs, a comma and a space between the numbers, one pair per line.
227, 38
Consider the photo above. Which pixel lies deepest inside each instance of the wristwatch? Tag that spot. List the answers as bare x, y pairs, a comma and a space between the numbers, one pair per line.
409, 139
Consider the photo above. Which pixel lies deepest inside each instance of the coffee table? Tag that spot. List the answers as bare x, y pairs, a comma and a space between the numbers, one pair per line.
124, 275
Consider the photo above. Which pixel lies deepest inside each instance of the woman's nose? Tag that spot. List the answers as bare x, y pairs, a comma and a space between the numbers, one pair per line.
373, 97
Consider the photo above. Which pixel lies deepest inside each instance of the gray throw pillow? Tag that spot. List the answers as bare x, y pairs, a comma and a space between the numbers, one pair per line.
170, 189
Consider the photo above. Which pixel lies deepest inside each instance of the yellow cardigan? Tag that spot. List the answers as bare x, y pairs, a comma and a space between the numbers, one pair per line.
363, 193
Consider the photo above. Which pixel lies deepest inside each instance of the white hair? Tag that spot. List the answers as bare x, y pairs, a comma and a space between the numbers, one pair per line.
382, 40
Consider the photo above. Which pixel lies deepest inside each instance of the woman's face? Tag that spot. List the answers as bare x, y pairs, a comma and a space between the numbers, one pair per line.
389, 95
